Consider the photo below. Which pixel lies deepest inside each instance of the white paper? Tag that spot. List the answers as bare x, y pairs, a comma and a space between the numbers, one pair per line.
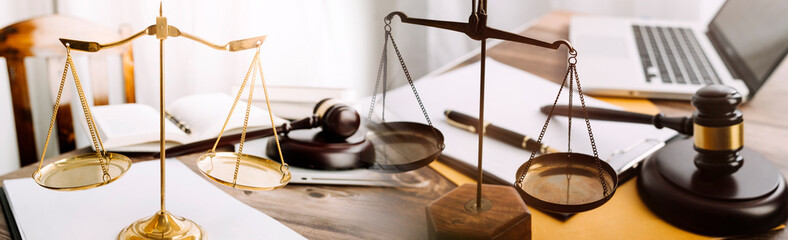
101, 213
513, 98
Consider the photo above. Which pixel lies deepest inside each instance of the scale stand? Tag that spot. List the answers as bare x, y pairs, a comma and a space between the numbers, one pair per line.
163, 224
458, 214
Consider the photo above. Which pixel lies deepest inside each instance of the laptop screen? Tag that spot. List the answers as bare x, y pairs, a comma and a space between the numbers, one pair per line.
752, 37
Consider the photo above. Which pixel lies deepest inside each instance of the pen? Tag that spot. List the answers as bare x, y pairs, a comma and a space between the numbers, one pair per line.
177, 122
469, 123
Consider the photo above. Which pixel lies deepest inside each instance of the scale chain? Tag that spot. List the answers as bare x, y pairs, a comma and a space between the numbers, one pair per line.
413, 87
243, 129
271, 115
569, 114
544, 127
103, 162
54, 114
95, 137
591, 134
382, 71
383, 61
569, 131
235, 102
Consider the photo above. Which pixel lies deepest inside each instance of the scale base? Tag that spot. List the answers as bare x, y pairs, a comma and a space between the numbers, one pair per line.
163, 225
751, 200
503, 216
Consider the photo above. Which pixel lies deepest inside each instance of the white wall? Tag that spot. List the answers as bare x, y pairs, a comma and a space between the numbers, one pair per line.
330, 43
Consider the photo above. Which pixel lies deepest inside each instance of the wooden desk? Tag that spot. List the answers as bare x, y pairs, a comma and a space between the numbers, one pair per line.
333, 212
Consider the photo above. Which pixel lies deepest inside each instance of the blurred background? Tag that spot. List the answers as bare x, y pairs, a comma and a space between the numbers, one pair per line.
316, 43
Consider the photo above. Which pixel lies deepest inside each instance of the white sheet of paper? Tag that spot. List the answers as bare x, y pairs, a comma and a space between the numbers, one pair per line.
513, 98
101, 213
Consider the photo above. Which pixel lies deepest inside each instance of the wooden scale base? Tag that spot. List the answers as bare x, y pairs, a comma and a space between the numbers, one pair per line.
751, 200
454, 215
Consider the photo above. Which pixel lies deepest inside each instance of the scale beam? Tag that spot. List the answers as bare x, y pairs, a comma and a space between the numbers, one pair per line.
476, 28
172, 31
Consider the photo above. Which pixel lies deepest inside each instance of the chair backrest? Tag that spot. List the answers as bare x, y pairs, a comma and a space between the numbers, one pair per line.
39, 38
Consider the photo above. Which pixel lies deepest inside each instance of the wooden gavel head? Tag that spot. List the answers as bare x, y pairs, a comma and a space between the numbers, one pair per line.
337, 145
337, 119
718, 130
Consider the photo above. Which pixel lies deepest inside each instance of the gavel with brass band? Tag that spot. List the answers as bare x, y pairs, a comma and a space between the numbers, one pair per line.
708, 185
717, 126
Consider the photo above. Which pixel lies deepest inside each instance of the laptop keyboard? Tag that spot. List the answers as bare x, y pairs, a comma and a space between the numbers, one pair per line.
673, 55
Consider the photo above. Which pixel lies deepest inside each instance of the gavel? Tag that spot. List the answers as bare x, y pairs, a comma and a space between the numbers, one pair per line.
336, 119
716, 126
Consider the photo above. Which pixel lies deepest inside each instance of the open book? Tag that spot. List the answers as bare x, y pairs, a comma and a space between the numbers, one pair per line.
134, 127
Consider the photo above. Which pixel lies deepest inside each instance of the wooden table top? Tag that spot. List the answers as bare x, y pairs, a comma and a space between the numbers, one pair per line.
345, 212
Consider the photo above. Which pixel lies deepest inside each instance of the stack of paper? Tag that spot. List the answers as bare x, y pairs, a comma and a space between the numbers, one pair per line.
101, 213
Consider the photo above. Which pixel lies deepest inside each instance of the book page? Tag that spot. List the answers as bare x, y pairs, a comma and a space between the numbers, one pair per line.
130, 124
205, 114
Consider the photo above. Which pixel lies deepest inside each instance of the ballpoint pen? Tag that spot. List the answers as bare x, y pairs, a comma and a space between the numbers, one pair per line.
182, 125
469, 123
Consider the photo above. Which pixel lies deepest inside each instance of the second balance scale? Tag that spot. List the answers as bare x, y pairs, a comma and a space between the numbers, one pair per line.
564, 182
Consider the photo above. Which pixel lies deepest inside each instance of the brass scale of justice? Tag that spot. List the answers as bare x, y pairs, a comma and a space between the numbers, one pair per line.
559, 182
232, 169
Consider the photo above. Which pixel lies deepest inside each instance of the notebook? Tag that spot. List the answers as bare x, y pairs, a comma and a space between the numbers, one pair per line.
513, 99
134, 127
101, 213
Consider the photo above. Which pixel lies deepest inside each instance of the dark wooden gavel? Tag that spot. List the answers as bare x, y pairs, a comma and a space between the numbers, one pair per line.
682, 125
336, 119
716, 126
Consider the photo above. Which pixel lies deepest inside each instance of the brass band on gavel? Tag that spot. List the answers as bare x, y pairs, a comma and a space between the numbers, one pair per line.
719, 138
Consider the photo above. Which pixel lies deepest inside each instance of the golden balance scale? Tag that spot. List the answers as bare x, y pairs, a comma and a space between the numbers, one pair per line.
232, 169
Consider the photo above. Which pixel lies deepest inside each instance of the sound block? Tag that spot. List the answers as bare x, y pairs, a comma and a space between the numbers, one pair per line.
751, 200
503, 216
313, 149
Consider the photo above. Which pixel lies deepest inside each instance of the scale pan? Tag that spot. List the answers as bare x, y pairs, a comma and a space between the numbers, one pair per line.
81, 172
403, 146
254, 173
546, 186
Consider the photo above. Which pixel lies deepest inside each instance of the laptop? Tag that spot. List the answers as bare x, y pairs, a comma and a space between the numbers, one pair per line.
740, 47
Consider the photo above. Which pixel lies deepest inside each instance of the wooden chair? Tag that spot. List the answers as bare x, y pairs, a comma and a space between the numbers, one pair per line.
38, 38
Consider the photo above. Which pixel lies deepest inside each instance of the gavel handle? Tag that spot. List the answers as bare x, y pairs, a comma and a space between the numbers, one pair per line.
205, 145
682, 125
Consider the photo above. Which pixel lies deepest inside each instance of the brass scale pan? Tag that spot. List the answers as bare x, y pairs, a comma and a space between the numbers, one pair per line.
81, 172
546, 186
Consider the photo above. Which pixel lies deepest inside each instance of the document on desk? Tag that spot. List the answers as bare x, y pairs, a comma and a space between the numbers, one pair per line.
101, 213
513, 98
